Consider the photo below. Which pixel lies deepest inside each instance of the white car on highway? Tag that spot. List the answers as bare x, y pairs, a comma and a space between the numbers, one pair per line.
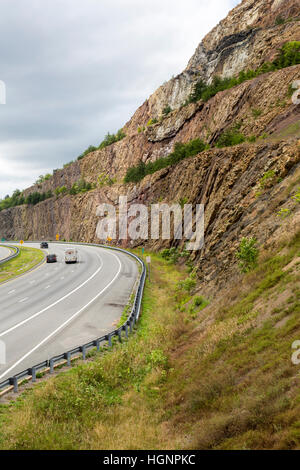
71, 255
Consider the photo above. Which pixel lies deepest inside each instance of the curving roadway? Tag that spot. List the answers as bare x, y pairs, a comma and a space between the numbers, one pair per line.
59, 306
4, 252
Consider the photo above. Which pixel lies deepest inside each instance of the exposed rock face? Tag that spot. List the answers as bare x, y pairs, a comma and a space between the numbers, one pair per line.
227, 180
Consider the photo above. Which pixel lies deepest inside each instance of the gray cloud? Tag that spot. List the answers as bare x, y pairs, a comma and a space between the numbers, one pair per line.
75, 70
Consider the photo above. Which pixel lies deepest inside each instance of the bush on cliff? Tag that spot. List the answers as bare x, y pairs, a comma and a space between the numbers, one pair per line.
287, 56
137, 173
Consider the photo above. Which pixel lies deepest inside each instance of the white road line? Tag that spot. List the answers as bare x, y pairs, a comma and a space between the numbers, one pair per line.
66, 322
47, 287
24, 300
11, 292
54, 303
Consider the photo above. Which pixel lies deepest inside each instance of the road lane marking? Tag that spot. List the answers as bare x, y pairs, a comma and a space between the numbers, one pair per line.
11, 292
47, 287
53, 304
24, 300
67, 321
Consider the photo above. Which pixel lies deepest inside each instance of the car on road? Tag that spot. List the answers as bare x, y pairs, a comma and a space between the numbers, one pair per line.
44, 245
51, 258
71, 255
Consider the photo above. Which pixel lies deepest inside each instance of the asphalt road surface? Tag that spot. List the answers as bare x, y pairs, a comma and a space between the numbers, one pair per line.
4, 252
59, 306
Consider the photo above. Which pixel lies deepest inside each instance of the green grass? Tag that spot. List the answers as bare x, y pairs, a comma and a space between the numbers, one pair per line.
27, 259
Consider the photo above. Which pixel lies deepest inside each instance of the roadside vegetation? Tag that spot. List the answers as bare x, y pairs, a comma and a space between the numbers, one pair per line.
196, 374
27, 259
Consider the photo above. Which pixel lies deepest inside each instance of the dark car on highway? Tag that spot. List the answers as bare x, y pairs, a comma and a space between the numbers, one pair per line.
44, 245
51, 258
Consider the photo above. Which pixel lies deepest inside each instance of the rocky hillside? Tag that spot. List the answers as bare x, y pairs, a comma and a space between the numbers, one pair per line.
244, 187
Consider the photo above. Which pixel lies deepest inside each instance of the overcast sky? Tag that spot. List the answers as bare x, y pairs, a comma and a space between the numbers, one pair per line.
76, 69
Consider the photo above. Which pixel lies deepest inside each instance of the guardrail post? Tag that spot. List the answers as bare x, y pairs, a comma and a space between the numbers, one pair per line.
109, 341
98, 345
14, 382
51, 366
83, 350
126, 330
32, 372
120, 335
68, 358
130, 325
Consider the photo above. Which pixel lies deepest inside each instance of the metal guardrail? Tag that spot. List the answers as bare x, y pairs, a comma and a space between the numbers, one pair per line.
14, 255
66, 358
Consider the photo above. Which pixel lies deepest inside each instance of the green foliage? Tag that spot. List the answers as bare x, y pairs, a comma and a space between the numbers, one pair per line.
288, 55
68, 164
256, 112
17, 199
230, 137
112, 138
200, 302
267, 179
296, 197
284, 213
90, 149
279, 20
171, 254
181, 151
81, 186
43, 178
167, 110
248, 254
105, 180
60, 191
187, 284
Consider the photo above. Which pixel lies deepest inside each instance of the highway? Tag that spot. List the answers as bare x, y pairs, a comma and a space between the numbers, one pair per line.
59, 306
4, 252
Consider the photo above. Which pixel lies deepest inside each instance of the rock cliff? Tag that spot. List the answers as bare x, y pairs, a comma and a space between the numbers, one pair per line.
228, 180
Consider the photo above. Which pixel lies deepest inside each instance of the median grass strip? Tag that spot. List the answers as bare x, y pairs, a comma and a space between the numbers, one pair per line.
27, 259
196, 374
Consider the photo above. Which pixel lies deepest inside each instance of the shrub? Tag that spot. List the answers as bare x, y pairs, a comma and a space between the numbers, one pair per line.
81, 186
105, 180
112, 138
171, 254
248, 254
283, 213
90, 149
167, 110
256, 112
279, 20
188, 284
288, 55
201, 302
181, 151
296, 197
61, 191
267, 178
229, 138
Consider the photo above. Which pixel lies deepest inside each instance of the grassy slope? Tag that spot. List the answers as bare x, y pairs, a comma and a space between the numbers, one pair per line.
221, 377
27, 259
